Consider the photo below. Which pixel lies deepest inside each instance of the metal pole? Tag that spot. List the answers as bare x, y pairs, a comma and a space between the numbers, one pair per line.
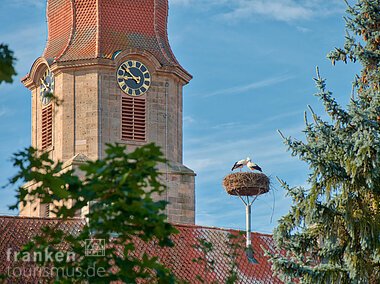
249, 251
248, 224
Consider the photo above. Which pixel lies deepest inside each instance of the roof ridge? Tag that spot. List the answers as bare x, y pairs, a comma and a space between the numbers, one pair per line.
217, 228
72, 31
39, 218
98, 21
156, 31
193, 226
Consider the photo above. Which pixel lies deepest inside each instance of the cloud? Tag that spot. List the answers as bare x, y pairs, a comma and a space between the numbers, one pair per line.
18, 3
251, 86
203, 3
279, 10
180, 2
235, 127
303, 29
188, 119
285, 10
227, 125
211, 157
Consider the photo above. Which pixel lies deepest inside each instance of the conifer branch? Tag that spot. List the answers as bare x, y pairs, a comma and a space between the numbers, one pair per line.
315, 117
282, 135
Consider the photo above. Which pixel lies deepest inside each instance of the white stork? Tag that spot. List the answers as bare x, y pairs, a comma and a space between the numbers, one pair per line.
252, 166
240, 164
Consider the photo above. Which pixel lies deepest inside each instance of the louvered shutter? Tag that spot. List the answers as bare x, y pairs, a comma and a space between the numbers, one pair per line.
47, 127
133, 118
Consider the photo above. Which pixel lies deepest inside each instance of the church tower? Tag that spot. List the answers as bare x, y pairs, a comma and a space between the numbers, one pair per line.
110, 66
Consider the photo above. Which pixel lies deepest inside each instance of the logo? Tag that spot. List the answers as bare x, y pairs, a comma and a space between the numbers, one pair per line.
95, 247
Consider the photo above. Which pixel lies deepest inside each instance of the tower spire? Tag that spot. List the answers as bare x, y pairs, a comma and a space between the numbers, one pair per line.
85, 29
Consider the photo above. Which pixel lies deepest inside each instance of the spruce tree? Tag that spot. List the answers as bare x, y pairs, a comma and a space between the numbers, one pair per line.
332, 231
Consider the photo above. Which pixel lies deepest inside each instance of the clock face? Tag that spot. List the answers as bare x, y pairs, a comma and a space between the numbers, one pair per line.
47, 87
133, 78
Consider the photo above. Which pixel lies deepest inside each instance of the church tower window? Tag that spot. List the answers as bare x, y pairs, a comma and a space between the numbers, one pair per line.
133, 118
47, 127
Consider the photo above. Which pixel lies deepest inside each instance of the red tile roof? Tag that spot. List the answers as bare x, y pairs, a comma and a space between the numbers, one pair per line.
180, 257
85, 29
16, 231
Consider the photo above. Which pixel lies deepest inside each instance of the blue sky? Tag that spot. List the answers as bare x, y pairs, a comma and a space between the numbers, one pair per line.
253, 62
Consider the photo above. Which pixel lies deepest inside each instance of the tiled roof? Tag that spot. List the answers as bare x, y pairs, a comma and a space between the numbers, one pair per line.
181, 257
85, 29
16, 231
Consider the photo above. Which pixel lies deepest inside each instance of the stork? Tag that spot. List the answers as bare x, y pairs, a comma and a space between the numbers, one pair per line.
240, 164
252, 166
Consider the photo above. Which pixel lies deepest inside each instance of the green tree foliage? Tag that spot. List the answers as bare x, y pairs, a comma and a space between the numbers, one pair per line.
120, 189
234, 243
332, 232
206, 258
7, 62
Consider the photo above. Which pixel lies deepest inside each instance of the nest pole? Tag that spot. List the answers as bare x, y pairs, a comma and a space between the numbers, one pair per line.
248, 206
249, 250
248, 224
247, 185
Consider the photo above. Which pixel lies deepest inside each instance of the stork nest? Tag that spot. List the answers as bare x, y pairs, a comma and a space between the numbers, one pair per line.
246, 183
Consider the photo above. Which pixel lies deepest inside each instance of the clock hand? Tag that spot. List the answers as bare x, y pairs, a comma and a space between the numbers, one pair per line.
136, 79
43, 83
